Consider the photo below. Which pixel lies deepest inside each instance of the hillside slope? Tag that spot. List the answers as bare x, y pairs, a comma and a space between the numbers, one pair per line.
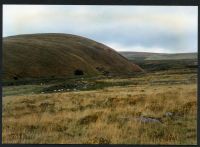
158, 56
54, 55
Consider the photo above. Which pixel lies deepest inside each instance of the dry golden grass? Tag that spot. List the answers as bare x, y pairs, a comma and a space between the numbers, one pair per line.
106, 116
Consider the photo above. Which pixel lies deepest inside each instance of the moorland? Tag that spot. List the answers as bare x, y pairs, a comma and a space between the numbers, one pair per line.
151, 102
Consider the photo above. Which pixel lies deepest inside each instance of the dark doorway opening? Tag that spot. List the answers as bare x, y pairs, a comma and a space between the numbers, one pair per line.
15, 78
78, 72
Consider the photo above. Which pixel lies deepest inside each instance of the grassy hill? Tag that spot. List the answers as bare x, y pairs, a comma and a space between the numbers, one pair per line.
160, 61
158, 56
57, 55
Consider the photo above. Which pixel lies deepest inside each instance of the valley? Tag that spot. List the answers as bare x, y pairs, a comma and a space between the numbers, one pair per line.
158, 107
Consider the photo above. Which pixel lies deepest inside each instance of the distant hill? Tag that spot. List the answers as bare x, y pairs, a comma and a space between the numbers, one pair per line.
55, 55
158, 56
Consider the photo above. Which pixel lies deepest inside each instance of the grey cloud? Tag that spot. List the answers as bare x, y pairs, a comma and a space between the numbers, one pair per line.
170, 28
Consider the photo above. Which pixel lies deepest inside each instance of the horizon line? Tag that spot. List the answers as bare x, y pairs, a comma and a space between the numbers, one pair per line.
101, 43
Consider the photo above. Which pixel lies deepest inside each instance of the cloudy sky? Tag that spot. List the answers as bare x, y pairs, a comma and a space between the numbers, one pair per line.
168, 29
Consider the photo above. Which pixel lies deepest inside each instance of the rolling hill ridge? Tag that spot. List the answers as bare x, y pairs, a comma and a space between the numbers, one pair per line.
158, 56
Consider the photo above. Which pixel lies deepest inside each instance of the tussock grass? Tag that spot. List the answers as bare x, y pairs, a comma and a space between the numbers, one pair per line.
105, 116
82, 117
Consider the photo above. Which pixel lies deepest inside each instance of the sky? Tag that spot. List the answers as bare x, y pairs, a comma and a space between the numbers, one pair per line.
161, 29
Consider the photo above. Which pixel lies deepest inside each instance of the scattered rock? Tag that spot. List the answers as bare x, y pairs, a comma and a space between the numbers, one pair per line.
168, 114
144, 119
